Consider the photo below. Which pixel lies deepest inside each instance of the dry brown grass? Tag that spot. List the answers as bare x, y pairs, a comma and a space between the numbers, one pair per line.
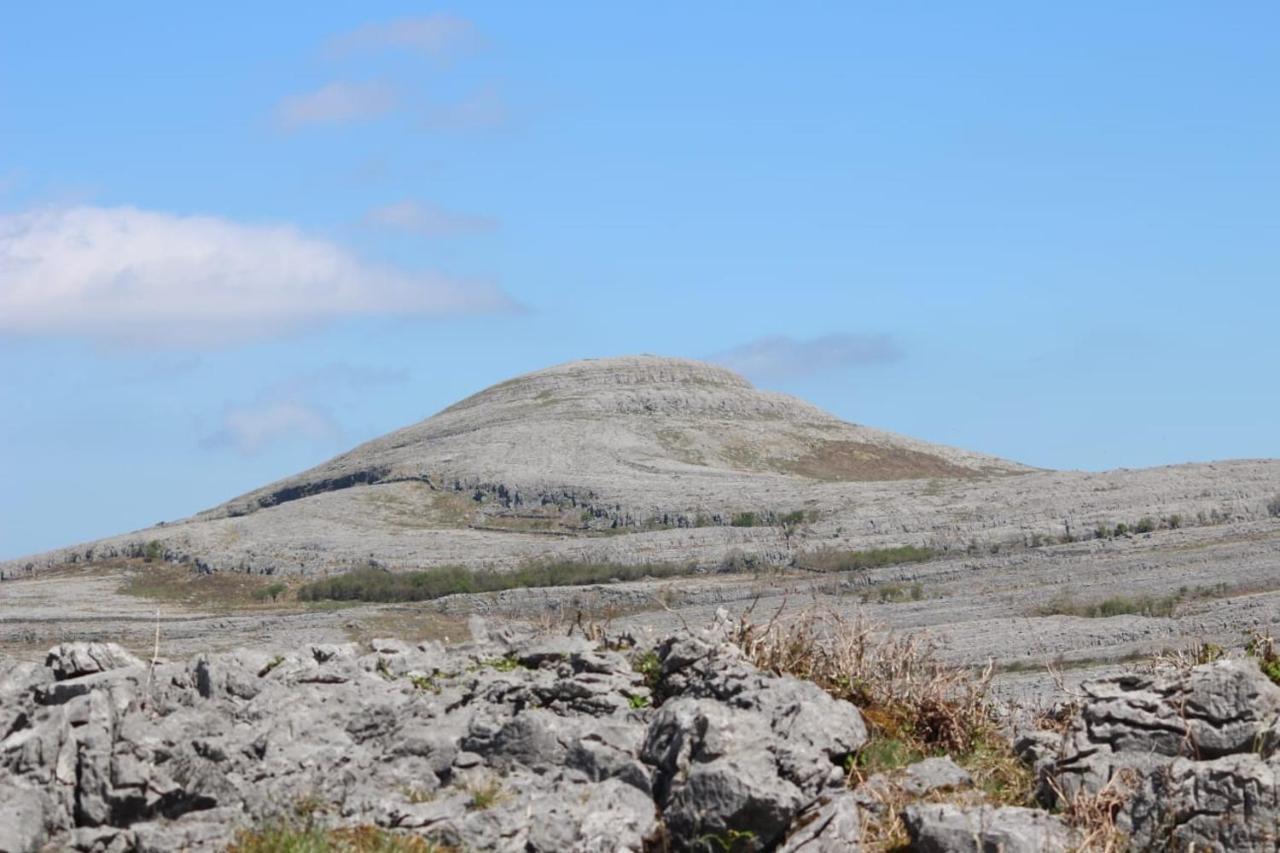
903, 690
859, 461
182, 585
406, 622
915, 706
1094, 815
290, 837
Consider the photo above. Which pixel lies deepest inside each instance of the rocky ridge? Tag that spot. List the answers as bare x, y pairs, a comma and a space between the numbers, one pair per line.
551, 742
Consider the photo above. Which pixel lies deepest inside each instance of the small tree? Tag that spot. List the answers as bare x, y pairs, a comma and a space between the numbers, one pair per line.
271, 591
1273, 507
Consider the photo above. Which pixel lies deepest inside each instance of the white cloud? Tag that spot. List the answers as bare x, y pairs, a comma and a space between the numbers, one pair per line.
780, 357
436, 36
483, 109
134, 276
427, 221
291, 408
250, 429
335, 103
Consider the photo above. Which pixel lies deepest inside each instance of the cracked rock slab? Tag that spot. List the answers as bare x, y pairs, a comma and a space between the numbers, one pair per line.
944, 828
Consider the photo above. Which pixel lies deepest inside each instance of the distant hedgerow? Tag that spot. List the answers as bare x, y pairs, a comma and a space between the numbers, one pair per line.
831, 560
372, 584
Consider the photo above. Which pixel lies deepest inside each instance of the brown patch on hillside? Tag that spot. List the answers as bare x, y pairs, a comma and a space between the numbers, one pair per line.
859, 461
217, 592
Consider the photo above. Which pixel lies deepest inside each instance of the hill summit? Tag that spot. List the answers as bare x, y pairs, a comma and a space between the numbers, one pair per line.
592, 422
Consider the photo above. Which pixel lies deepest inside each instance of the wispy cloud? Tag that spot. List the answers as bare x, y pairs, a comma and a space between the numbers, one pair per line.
780, 357
251, 429
335, 103
135, 276
437, 36
483, 109
289, 410
427, 221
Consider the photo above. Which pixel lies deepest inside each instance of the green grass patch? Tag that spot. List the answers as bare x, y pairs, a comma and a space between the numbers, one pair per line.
1262, 648
1118, 605
831, 560
884, 754
295, 837
372, 584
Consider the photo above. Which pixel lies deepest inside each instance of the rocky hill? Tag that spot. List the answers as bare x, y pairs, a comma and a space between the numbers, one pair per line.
648, 459
586, 427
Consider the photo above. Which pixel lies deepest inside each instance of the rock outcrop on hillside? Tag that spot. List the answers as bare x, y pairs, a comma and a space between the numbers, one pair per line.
555, 743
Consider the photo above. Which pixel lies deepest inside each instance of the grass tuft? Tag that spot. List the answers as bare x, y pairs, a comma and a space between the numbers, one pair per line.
288, 836
486, 795
1262, 648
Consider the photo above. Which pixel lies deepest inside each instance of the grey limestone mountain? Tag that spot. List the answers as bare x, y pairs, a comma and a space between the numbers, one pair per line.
687, 458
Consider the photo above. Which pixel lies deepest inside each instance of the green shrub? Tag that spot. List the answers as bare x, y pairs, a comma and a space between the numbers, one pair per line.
271, 591
743, 519
794, 519
152, 551
650, 666
1119, 605
1273, 507
1145, 525
830, 560
381, 585
1173, 522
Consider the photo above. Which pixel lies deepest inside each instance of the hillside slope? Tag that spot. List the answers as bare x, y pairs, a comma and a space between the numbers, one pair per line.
589, 425
656, 459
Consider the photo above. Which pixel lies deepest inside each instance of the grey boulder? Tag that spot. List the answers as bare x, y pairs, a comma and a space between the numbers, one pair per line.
72, 660
944, 828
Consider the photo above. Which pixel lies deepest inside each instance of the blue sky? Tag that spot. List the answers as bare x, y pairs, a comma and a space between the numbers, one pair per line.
236, 241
